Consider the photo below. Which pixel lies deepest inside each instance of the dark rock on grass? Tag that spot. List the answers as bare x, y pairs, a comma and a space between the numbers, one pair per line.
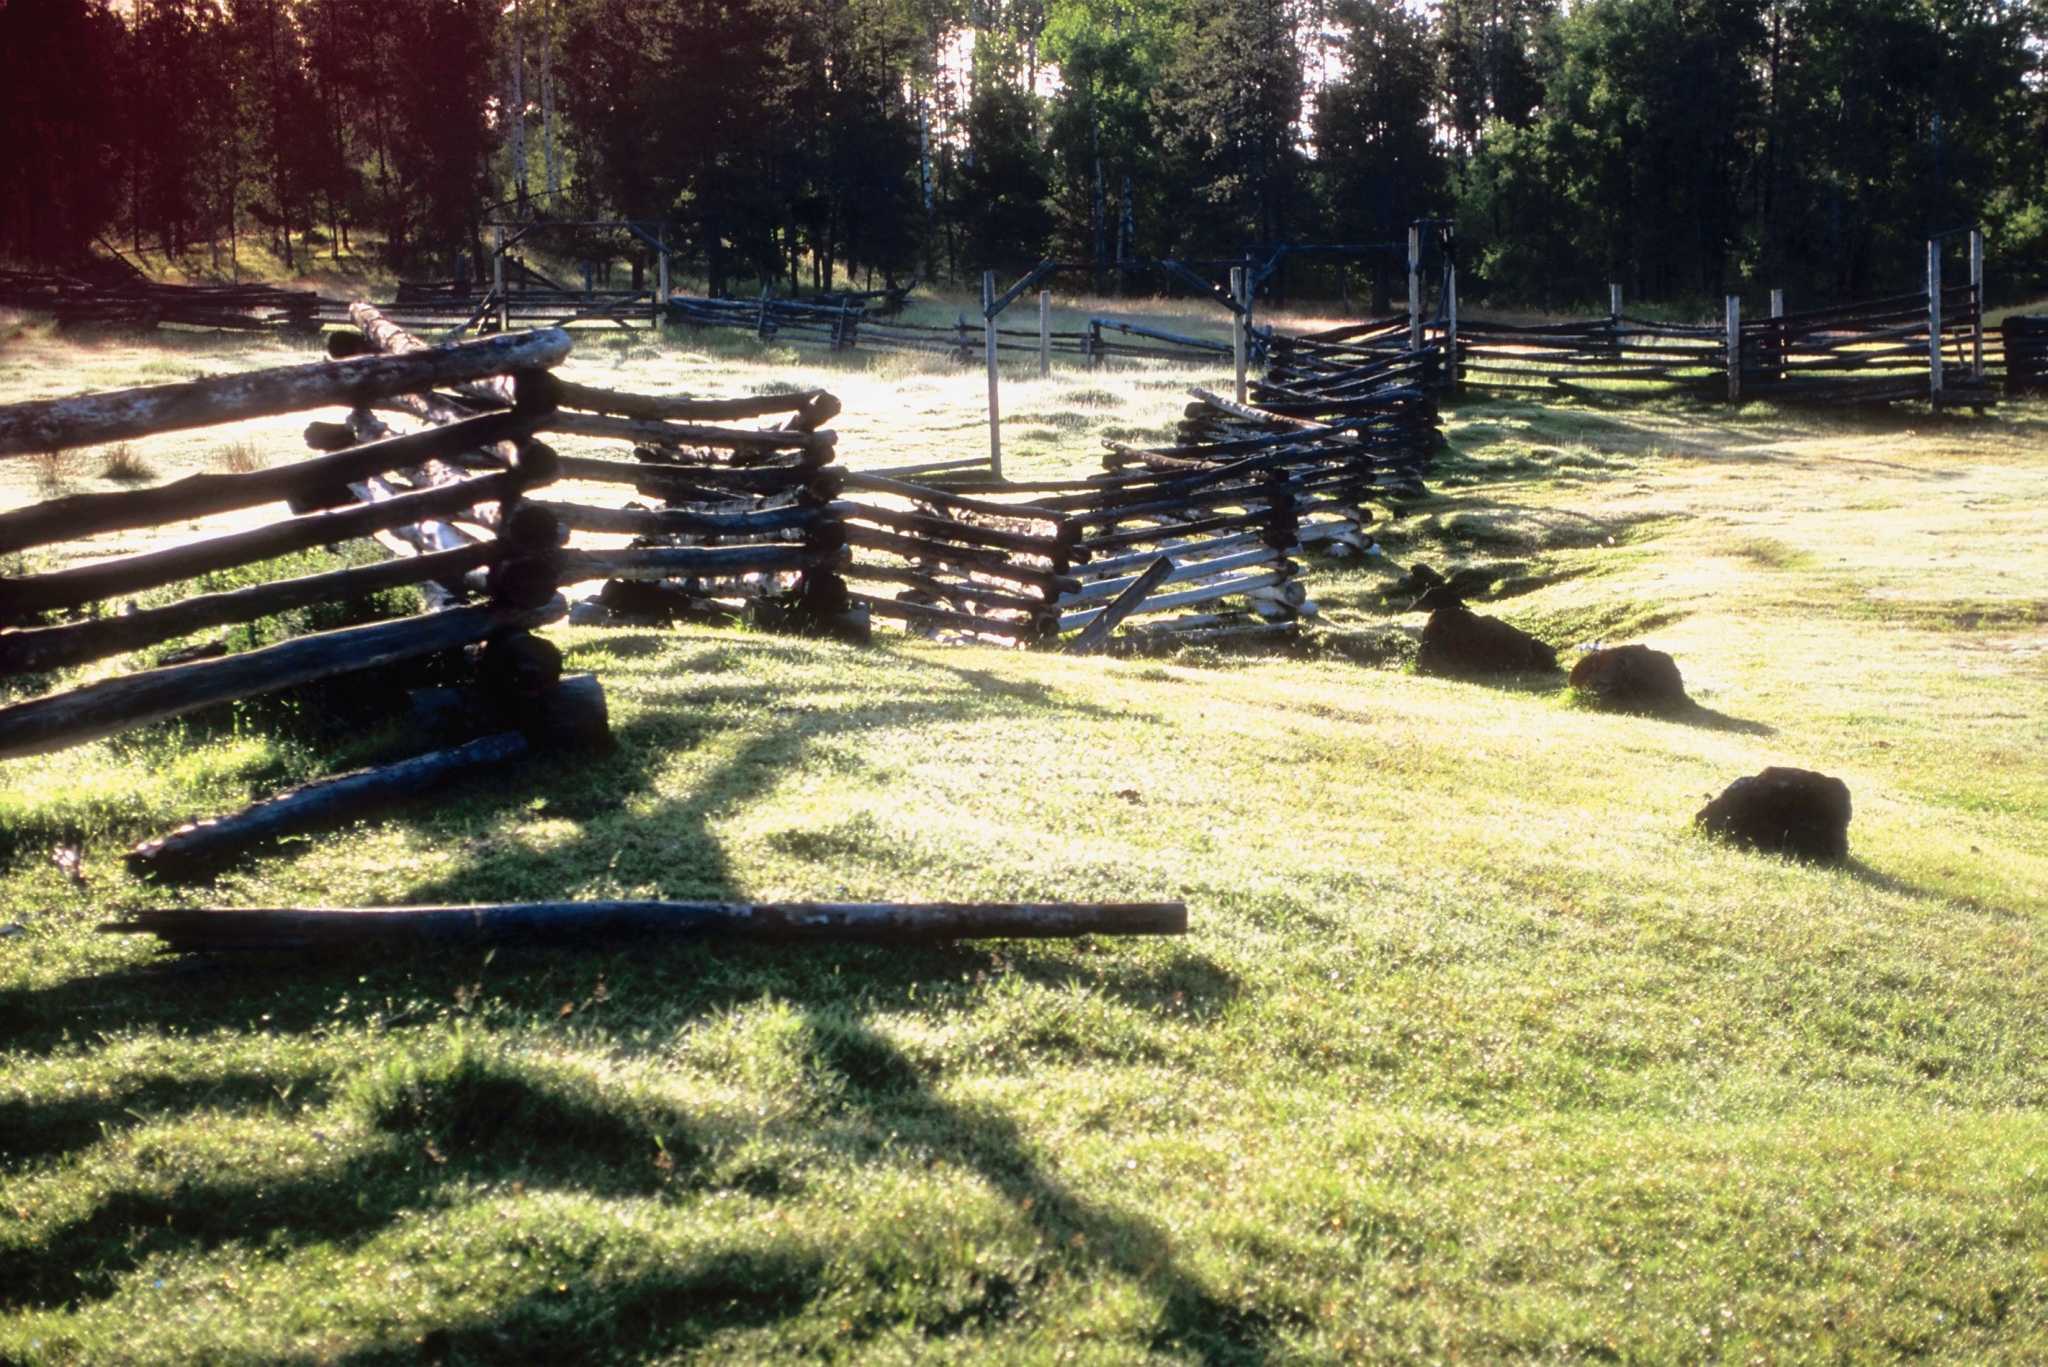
1631, 679
1460, 641
1783, 811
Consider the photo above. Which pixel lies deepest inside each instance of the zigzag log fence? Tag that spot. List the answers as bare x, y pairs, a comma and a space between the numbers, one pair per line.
517, 558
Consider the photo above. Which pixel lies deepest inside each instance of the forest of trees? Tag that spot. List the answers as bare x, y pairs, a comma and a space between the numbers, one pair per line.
1682, 147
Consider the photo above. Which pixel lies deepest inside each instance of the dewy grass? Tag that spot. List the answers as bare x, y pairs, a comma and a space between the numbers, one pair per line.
1474, 1049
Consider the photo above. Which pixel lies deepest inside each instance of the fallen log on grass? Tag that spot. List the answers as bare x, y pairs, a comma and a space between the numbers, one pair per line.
323, 804
595, 923
570, 716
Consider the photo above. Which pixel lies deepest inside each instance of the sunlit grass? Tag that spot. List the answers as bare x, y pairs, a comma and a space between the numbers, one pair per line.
1475, 1050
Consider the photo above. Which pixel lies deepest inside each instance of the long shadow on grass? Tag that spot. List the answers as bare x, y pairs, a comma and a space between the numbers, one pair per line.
441, 1149
463, 1120
877, 1083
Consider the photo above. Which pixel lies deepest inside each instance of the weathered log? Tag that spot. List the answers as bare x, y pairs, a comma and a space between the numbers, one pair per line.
92, 419
589, 399
36, 650
688, 562
986, 595
206, 845
923, 525
1096, 633
80, 515
1206, 593
59, 720
595, 923
688, 483
993, 563
815, 446
945, 498
1177, 573
689, 522
923, 614
388, 337
148, 569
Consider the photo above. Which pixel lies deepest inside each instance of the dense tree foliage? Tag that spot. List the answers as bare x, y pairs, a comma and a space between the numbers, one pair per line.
1683, 147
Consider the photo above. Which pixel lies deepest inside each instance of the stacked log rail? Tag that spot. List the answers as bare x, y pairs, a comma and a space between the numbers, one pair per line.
2024, 344
1873, 351
1203, 533
32, 645
145, 304
745, 514
438, 311
849, 326
990, 565
1644, 355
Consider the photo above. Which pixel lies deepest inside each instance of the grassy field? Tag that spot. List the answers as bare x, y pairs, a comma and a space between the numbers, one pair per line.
1474, 1050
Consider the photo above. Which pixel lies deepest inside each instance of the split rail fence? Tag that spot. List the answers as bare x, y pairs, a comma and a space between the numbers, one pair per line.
847, 326
60, 618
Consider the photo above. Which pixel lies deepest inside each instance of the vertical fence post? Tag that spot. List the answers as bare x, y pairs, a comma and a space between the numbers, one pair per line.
1977, 304
1415, 287
1934, 319
1774, 360
1451, 330
1237, 338
1734, 348
1044, 334
1614, 304
995, 411
661, 276
498, 279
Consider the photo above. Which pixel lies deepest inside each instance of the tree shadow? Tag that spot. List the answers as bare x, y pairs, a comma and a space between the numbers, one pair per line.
878, 1084
431, 1151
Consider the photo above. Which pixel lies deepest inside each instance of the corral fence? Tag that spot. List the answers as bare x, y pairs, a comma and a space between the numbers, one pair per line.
1928, 345
847, 326
1201, 538
64, 617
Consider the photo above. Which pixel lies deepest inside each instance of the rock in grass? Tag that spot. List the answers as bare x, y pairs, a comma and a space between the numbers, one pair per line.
1631, 679
1458, 640
1783, 811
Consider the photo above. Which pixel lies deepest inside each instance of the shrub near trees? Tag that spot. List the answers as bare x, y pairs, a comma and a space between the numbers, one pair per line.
1678, 146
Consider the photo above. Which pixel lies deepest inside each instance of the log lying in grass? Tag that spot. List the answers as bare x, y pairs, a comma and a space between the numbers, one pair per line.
596, 923
326, 803
94, 419
572, 715
59, 720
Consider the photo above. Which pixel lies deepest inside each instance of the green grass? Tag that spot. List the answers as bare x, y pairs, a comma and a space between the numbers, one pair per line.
1474, 1051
